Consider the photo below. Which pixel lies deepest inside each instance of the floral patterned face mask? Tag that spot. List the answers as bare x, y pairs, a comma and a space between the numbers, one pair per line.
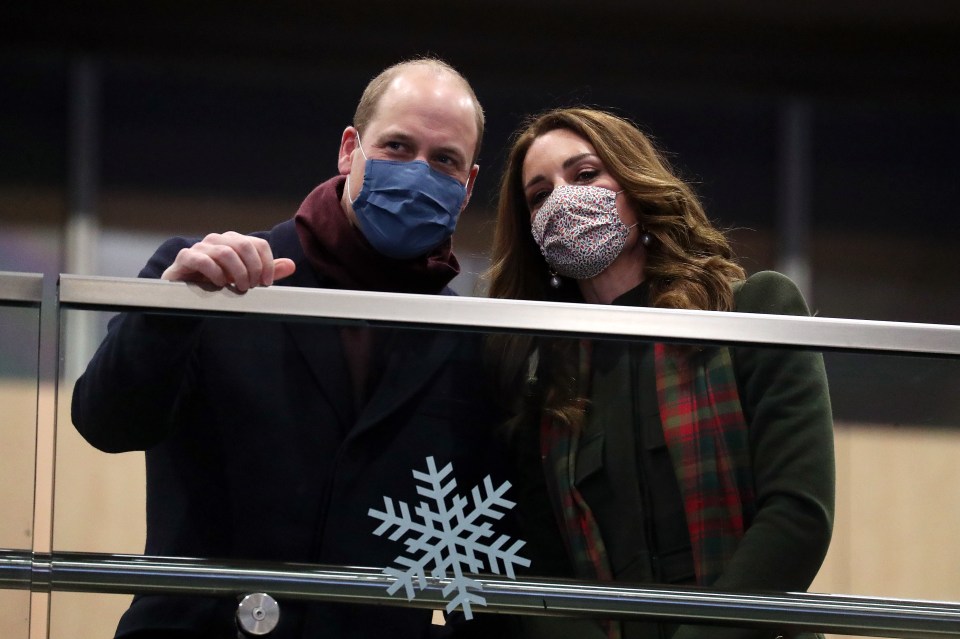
579, 230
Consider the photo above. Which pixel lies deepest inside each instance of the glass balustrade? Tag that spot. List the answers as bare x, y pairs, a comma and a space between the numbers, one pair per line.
20, 394
262, 462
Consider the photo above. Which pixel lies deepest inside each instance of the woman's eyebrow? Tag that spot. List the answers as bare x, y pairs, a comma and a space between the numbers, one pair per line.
576, 158
533, 180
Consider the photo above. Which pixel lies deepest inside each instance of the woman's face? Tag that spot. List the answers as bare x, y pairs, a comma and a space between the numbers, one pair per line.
561, 157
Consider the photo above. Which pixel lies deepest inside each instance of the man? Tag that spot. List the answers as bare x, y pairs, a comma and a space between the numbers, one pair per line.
270, 440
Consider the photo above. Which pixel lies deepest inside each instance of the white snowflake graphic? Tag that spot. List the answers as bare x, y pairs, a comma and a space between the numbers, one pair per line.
449, 539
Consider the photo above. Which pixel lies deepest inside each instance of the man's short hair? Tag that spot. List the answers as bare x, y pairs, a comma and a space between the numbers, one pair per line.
367, 107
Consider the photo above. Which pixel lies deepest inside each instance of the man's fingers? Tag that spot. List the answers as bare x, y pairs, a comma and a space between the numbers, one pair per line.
229, 258
216, 263
192, 265
283, 267
224, 259
232, 267
256, 256
236, 255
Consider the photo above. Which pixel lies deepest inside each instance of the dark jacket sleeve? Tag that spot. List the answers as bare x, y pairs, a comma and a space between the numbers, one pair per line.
129, 394
787, 406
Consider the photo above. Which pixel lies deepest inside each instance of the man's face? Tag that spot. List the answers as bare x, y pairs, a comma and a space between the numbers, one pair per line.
423, 115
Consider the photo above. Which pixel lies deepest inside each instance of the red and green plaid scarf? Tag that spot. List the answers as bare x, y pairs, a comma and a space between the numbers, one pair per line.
706, 434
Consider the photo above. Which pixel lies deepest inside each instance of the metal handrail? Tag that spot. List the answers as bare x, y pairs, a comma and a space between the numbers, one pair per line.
103, 293
21, 288
794, 612
16, 569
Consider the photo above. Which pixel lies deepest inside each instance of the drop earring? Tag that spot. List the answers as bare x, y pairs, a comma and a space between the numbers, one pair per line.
646, 239
555, 281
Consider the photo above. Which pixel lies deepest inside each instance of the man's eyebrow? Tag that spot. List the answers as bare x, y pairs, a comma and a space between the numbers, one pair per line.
570, 161
387, 136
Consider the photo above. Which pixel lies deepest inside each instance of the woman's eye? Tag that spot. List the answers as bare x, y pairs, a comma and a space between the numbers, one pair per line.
535, 200
585, 175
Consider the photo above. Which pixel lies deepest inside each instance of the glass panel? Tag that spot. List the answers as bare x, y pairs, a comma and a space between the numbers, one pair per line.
97, 614
19, 376
99, 498
260, 448
896, 437
898, 507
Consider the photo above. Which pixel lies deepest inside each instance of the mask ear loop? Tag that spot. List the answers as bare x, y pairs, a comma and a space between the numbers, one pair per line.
359, 146
554, 281
645, 237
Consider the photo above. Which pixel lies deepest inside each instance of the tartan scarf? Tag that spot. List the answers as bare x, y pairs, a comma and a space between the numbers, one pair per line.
706, 435
708, 440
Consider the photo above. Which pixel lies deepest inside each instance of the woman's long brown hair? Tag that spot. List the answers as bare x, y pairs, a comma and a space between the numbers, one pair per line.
689, 264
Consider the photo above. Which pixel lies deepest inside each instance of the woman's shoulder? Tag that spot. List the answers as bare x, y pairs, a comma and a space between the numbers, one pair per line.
769, 292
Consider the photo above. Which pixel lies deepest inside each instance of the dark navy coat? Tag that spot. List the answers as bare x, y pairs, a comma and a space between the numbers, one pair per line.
255, 448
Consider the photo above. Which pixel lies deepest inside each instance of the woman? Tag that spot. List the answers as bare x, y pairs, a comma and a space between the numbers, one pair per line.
651, 463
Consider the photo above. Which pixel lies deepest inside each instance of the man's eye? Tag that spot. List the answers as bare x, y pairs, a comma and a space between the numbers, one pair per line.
394, 146
452, 164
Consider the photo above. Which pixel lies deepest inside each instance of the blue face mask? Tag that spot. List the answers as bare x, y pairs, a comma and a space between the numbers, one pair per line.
406, 209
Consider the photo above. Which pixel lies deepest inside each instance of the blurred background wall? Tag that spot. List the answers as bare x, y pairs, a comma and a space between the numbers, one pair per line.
825, 134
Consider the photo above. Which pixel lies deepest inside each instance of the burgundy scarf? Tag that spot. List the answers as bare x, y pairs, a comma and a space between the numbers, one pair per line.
339, 251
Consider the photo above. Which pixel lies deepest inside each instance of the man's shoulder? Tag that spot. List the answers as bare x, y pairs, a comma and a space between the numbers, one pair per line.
283, 240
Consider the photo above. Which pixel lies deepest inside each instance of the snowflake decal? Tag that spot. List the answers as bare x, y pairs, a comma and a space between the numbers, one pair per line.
450, 537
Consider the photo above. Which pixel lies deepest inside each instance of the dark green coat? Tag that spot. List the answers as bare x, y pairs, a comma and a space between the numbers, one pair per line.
785, 401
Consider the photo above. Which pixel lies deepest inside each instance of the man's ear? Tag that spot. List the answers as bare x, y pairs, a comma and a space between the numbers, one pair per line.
348, 144
471, 180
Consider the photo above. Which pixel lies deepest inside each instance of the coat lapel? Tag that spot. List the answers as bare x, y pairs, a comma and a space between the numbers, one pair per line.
409, 358
322, 349
318, 342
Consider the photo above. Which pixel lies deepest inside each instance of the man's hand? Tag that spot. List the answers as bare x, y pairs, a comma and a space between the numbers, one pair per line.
229, 259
